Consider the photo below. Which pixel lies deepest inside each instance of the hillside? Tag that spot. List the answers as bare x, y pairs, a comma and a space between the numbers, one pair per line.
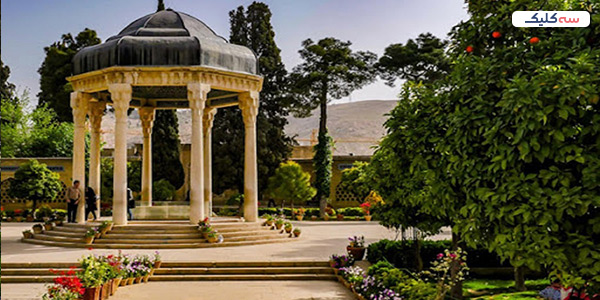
355, 126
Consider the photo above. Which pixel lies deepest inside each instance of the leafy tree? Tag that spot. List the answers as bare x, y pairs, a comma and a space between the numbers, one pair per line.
134, 177
330, 70
510, 159
355, 180
165, 149
7, 89
522, 139
423, 59
34, 181
163, 190
252, 28
290, 183
33, 134
57, 66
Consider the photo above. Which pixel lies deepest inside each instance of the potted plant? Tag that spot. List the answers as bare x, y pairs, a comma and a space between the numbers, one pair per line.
38, 228
356, 247
340, 261
157, 260
105, 227
366, 208
90, 235
29, 216
313, 218
27, 234
19, 215
203, 223
93, 274
288, 227
206, 230
340, 216
48, 225
279, 223
212, 237
59, 220
326, 217
300, 212
270, 220
297, 232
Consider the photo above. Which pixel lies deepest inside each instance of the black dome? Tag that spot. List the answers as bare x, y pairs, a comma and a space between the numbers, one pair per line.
166, 38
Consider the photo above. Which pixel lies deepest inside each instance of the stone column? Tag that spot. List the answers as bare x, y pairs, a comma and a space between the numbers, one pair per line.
197, 94
207, 123
95, 113
120, 95
79, 104
249, 106
147, 118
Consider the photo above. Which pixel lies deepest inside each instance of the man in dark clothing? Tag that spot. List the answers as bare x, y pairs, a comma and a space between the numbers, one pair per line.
130, 204
90, 203
73, 198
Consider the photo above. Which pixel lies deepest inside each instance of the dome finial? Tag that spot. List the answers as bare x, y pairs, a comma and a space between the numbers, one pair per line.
161, 5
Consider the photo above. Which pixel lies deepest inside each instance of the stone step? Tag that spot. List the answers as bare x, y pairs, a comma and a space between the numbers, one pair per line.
28, 279
46, 237
242, 277
64, 233
282, 238
243, 264
81, 230
31, 271
244, 270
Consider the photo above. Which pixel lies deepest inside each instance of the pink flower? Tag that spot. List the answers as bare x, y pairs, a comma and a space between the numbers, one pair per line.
440, 255
452, 255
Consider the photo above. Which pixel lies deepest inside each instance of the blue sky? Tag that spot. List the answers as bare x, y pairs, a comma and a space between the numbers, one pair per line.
30, 25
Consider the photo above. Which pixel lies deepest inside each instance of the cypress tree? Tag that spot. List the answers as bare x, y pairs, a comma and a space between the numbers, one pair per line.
165, 149
252, 28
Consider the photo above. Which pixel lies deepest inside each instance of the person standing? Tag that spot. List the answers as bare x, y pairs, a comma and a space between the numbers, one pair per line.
130, 203
90, 202
73, 197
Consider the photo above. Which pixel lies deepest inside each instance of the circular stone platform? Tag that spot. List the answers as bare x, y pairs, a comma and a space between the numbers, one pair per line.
161, 235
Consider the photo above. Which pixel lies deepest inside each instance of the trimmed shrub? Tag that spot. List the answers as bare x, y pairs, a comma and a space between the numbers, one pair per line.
163, 190
401, 254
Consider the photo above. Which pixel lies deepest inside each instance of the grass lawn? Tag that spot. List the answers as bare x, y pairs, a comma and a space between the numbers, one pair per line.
497, 289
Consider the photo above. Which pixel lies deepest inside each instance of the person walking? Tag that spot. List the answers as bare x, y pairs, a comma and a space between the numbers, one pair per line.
130, 204
90, 202
73, 197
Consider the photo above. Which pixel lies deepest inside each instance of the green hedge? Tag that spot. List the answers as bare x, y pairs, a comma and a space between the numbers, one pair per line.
312, 211
401, 254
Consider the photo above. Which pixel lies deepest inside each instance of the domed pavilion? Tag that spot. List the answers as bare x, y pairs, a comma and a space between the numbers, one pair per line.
165, 60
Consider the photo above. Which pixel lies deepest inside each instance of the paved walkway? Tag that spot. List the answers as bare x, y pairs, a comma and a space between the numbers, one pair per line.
222, 290
318, 241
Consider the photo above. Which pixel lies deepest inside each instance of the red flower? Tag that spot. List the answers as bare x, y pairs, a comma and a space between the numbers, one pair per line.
90, 248
469, 49
534, 40
496, 34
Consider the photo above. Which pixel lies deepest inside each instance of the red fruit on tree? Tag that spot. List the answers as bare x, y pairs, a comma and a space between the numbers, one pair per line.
496, 34
469, 49
534, 40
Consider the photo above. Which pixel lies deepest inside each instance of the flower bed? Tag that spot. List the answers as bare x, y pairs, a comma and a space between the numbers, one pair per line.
98, 277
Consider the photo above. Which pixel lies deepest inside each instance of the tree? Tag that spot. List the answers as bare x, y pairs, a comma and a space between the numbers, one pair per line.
522, 139
330, 70
33, 134
7, 89
165, 148
511, 158
34, 181
355, 180
421, 60
290, 183
57, 66
252, 28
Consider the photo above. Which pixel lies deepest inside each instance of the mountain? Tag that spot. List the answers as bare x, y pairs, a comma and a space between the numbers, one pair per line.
355, 126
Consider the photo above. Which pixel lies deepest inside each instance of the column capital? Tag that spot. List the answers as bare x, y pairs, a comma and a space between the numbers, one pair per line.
79, 105
197, 95
95, 113
207, 119
147, 119
249, 106
120, 93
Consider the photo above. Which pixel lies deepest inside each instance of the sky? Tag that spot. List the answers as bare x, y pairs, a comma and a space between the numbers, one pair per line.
30, 25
